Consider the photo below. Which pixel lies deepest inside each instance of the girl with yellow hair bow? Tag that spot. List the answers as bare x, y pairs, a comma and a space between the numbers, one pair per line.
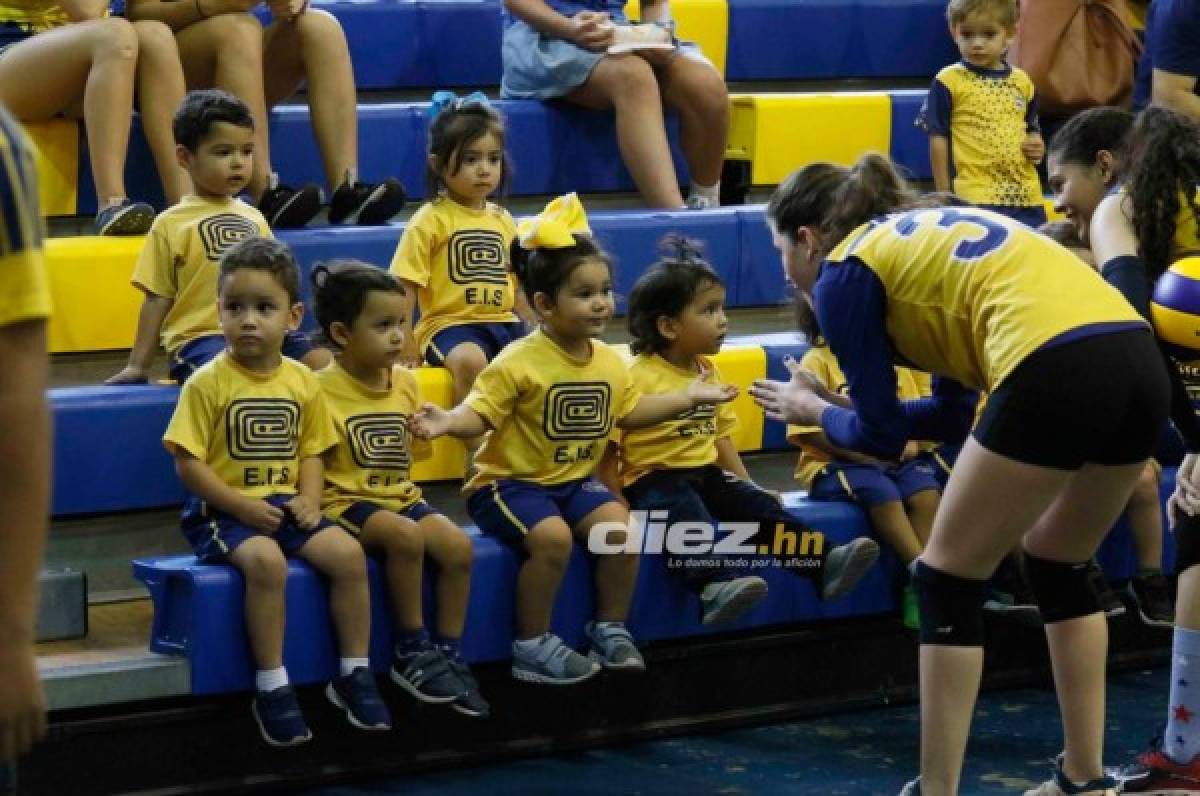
550, 402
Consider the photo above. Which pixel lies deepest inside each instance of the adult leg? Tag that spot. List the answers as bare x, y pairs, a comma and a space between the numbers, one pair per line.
313, 49
627, 83
160, 90
339, 557
90, 63
226, 51
1145, 519
697, 92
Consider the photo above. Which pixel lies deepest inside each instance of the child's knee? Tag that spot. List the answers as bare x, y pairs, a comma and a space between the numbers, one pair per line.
155, 39
404, 541
116, 38
550, 545
261, 563
318, 25
458, 553
242, 35
466, 362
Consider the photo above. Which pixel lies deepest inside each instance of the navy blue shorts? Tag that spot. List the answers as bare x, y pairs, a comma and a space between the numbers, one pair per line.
941, 459
354, 519
872, 485
490, 337
508, 508
195, 353
1032, 217
214, 534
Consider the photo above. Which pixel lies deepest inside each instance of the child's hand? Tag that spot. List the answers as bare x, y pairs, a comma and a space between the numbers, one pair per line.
701, 392
430, 422
592, 30
1033, 147
306, 513
410, 355
260, 515
130, 375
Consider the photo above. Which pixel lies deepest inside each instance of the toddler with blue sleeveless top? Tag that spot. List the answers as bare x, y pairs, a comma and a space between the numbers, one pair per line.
549, 403
247, 437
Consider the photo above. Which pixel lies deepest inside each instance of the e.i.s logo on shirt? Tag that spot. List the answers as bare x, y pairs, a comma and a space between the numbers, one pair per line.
219, 232
477, 255
258, 429
579, 410
377, 441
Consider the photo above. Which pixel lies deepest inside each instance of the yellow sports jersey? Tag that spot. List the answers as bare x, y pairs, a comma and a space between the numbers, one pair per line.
971, 293
251, 428
690, 440
458, 259
24, 288
375, 448
551, 414
34, 16
179, 261
910, 384
988, 116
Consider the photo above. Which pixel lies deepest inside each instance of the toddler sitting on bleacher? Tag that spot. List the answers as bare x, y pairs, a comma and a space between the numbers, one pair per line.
453, 255
248, 436
550, 401
900, 498
368, 486
688, 469
177, 269
981, 116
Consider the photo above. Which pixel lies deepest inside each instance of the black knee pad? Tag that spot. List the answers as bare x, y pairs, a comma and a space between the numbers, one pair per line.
951, 607
1063, 591
1187, 542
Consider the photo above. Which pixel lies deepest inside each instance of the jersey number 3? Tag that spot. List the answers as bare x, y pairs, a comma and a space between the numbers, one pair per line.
978, 235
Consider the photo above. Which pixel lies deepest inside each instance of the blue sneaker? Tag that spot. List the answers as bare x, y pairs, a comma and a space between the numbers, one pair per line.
358, 696
470, 702
127, 218
427, 675
613, 647
551, 662
279, 718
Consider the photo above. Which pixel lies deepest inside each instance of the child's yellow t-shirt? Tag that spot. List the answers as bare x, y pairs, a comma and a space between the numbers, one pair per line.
34, 16
910, 385
180, 261
252, 428
24, 286
375, 449
551, 414
986, 114
457, 257
690, 440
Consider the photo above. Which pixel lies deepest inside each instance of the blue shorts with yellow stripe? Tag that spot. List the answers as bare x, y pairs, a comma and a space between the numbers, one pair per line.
490, 337
354, 518
508, 508
195, 353
214, 534
872, 485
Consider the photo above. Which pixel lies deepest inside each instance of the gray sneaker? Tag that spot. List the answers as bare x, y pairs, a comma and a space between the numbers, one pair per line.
845, 566
613, 647
552, 663
726, 600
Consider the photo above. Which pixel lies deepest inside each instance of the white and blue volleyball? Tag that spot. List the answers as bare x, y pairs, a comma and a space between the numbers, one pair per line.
1175, 310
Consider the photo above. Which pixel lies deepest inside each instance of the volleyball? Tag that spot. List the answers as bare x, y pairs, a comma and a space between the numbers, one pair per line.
1175, 309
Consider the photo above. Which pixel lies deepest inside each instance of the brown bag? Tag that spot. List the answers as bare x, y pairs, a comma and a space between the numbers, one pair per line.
1079, 53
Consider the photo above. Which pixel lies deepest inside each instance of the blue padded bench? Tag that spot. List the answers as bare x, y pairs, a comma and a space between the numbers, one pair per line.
837, 39
554, 148
198, 607
910, 146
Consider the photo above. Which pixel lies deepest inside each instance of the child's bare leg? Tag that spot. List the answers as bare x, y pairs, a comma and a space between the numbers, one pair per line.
313, 49
922, 507
264, 568
1145, 519
451, 550
401, 543
160, 90
698, 93
549, 547
87, 63
465, 362
628, 84
339, 557
891, 523
226, 51
616, 575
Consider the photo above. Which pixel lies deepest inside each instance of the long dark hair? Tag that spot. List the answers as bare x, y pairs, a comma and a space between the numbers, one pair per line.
1164, 166
836, 199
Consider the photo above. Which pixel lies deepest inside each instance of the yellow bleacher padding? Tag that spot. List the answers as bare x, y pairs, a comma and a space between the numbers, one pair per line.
95, 307
740, 367
705, 22
779, 133
448, 459
56, 145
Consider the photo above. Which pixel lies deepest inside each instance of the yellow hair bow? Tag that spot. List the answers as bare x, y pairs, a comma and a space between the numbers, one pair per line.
556, 226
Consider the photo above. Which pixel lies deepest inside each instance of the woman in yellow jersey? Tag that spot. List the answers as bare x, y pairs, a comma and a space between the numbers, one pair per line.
1129, 187
69, 57
1077, 396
